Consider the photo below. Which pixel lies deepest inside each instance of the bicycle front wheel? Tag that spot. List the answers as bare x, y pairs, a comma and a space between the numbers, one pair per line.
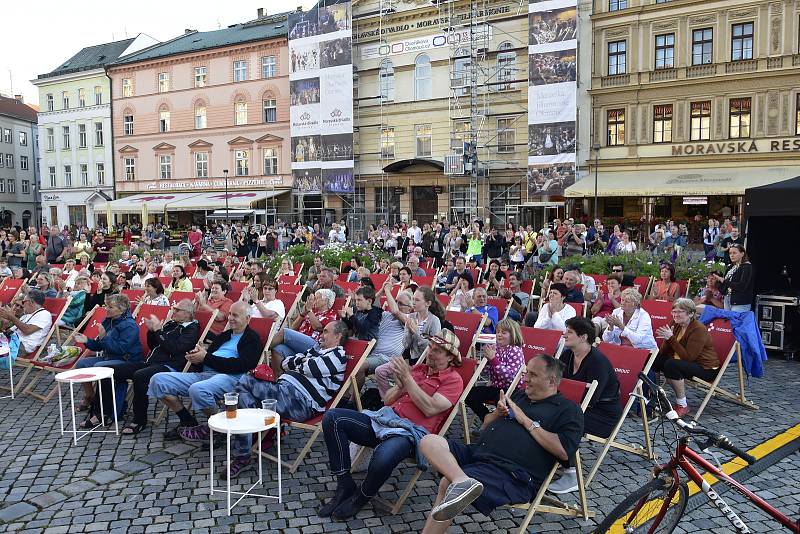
639, 511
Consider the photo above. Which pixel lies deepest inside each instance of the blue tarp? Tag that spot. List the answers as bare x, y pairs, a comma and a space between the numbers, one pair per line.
745, 329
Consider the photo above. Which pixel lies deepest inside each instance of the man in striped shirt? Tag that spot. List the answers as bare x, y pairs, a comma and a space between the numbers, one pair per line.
307, 382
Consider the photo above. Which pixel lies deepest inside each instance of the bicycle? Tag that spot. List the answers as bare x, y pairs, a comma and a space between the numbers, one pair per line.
657, 507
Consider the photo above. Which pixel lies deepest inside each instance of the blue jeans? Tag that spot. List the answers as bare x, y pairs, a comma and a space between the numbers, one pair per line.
97, 361
341, 426
295, 343
204, 389
734, 307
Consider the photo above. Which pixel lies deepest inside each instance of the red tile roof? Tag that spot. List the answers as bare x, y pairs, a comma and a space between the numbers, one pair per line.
12, 108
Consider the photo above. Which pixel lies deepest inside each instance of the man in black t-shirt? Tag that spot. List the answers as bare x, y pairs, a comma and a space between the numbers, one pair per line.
519, 443
733, 239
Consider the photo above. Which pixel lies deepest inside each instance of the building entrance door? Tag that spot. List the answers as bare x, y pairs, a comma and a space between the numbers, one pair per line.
424, 204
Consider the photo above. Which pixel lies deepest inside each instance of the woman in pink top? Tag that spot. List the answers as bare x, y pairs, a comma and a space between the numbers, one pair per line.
607, 301
504, 362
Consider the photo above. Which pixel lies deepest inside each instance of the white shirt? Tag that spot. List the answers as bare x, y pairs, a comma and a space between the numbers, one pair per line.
639, 330
589, 285
415, 233
137, 281
44, 321
166, 269
556, 321
273, 305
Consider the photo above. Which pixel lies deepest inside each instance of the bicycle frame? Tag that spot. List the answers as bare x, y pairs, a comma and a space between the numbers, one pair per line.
685, 459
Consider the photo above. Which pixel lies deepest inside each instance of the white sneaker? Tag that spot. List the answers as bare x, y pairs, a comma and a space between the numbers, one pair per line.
566, 484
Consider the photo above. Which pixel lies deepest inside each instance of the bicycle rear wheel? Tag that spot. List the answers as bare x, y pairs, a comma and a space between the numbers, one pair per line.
652, 496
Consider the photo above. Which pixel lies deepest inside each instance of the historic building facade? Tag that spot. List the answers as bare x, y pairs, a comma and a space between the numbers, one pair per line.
18, 154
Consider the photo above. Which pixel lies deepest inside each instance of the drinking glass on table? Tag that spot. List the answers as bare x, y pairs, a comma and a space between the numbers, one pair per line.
269, 405
231, 403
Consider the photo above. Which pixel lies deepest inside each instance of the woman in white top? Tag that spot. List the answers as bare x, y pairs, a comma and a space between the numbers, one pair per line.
555, 312
154, 293
630, 324
626, 246
268, 306
462, 288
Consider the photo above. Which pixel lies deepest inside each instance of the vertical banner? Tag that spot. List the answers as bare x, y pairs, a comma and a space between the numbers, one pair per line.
321, 98
552, 90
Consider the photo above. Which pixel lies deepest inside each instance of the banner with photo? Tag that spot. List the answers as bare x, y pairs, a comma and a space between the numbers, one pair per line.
552, 95
321, 98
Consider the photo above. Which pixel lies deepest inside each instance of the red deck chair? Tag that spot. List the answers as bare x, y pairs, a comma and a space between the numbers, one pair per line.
726, 348
286, 280
628, 362
642, 284
290, 302
293, 289
238, 286
580, 308
57, 307
599, 280
476, 274
9, 289
340, 303
443, 298
98, 265
133, 296
263, 328
426, 281
538, 341
190, 270
502, 305
343, 277
378, 280
198, 284
165, 280
297, 268
467, 326
430, 272
177, 296
357, 352
683, 286
124, 267
343, 265
143, 313
349, 286
660, 314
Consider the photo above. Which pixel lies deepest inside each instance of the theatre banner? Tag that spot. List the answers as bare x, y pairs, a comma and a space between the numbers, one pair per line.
321, 98
552, 91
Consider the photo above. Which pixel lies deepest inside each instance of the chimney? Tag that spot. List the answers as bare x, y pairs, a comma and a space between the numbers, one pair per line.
187, 31
19, 98
299, 9
261, 12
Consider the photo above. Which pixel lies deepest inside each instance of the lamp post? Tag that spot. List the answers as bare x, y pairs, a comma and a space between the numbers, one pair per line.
227, 213
596, 148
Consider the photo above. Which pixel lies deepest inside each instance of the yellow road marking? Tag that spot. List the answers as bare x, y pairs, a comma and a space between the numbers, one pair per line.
734, 466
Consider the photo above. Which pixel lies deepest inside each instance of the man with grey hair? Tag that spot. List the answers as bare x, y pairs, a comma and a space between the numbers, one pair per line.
326, 279
32, 327
413, 264
217, 370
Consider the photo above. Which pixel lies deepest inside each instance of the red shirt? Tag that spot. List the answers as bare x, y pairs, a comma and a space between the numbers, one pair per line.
447, 383
324, 317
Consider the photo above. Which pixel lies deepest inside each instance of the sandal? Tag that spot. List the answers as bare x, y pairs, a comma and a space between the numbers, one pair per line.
91, 421
131, 429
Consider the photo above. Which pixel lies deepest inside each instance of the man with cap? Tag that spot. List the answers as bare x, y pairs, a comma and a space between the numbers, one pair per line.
416, 405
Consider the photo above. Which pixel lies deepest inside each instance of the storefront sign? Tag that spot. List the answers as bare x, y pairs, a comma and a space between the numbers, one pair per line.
215, 184
699, 201
420, 44
50, 198
737, 147
434, 22
399, 190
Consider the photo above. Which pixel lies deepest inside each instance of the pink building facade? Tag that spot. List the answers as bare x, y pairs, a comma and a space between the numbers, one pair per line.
187, 110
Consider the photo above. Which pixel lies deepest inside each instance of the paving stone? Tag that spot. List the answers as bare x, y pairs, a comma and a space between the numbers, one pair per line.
16, 511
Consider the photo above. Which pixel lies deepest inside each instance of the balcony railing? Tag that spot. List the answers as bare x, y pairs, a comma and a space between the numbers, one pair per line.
615, 81
746, 65
699, 71
775, 62
660, 75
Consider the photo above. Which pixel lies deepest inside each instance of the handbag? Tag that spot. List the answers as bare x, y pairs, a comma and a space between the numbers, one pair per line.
264, 373
544, 257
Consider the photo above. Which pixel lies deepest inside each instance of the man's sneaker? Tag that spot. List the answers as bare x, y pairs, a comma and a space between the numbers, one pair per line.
458, 496
682, 411
238, 464
566, 484
197, 433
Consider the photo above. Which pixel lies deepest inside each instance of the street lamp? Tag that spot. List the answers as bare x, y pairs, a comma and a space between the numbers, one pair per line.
227, 214
596, 148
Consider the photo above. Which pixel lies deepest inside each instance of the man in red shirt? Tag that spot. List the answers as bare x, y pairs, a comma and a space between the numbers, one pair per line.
195, 241
417, 405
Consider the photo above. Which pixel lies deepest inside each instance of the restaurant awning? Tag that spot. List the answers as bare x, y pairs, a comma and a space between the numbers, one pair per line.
154, 202
160, 202
676, 183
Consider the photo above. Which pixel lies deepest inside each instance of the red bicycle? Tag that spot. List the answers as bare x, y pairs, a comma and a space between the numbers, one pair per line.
658, 506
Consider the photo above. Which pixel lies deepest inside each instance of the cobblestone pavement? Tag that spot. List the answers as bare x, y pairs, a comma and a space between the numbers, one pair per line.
113, 484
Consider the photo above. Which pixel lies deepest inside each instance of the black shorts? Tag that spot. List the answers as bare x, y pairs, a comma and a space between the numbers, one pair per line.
499, 486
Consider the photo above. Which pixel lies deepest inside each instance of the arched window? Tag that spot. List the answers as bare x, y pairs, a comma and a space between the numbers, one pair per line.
200, 115
460, 80
506, 66
386, 80
163, 119
422, 77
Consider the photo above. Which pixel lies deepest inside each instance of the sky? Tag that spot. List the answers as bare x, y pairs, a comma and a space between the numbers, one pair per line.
38, 37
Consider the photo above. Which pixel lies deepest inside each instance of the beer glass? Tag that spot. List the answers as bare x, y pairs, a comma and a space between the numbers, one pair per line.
231, 403
269, 405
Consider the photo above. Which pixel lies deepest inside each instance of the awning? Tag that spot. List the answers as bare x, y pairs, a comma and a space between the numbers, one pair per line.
159, 202
230, 214
676, 183
155, 202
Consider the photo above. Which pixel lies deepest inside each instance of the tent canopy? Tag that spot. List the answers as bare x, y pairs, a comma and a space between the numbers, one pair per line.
676, 183
777, 199
159, 202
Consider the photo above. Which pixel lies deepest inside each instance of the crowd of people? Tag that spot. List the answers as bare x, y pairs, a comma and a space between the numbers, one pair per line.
425, 271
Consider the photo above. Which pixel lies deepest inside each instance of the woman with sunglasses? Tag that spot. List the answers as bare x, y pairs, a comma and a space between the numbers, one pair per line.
268, 306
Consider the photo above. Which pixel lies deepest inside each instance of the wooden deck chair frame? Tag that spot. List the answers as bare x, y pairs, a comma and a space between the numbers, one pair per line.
459, 407
647, 450
316, 428
547, 504
713, 389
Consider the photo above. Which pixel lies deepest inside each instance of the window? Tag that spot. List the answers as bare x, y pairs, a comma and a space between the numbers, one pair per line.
201, 164
65, 100
506, 66
700, 121
422, 77
98, 95
165, 167
7, 135
270, 110
460, 201
81, 136
163, 121
742, 41
240, 113
51, 172
739, 118
240, 71
10, 161
26, 187
665, 51
2, 162
23, 163
242, 158
68, 175
662, 123
12, 185
23, 138
64, 137
127, 125
130, 169
386, 80
200, 117
423, 135
268, 67
82, 98
387, 142
461, 72
200, 76
100, 172
84, 169
615, 120
127, 87
502, 198
460, 135
2, 186
49, 99
163, 82
51, 139
98, 134
616, 5
77, 214
616, 58
506, 134
702, 46
270, 161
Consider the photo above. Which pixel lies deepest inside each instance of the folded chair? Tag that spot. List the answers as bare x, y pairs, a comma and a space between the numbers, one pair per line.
581, 394
628, 362
726, 347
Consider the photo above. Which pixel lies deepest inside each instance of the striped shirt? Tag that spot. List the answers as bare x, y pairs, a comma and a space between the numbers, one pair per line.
318, 374
390, 336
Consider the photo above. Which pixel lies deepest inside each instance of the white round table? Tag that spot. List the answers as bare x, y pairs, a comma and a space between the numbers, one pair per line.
82, 376
247, 421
